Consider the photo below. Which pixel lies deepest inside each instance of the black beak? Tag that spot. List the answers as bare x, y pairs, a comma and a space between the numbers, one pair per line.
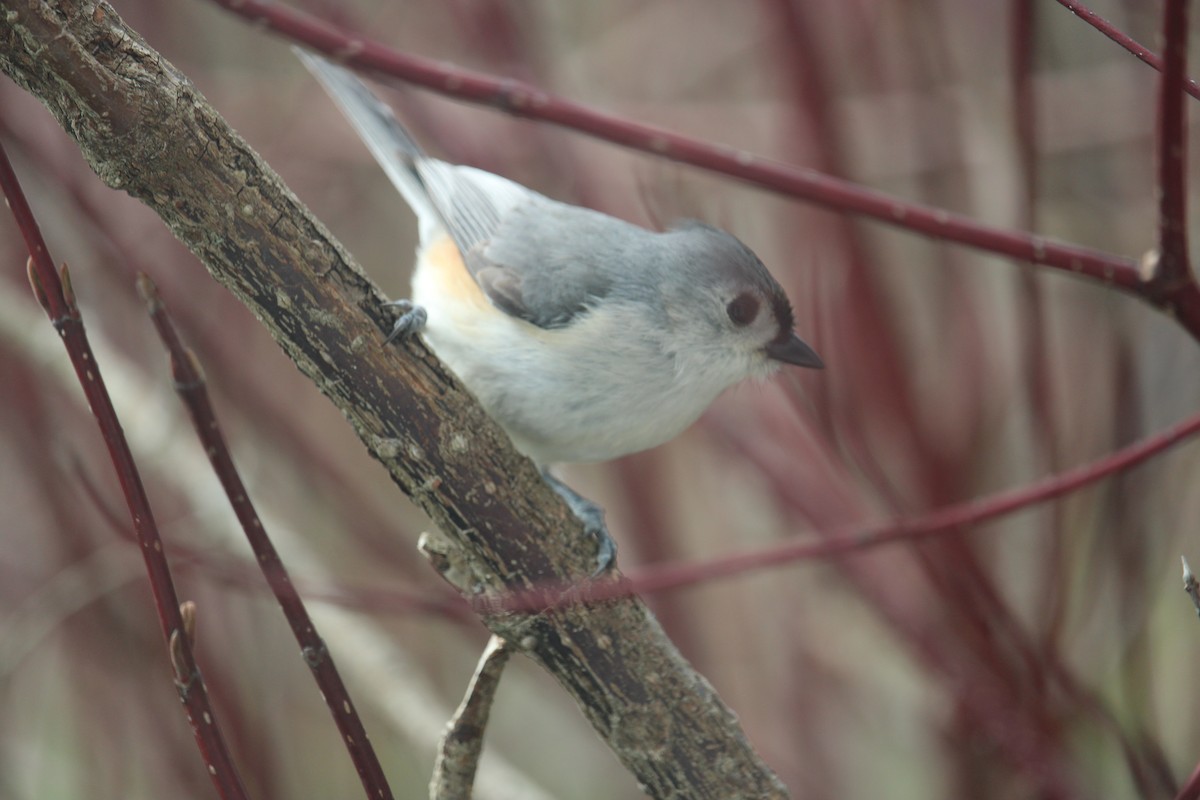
793, 350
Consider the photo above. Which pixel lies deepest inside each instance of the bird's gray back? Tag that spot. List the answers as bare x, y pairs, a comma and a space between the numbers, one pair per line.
548, 262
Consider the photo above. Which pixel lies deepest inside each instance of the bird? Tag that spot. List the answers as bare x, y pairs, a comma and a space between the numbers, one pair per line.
584, 336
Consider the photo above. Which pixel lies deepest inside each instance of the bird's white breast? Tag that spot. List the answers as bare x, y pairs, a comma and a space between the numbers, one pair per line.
591, 391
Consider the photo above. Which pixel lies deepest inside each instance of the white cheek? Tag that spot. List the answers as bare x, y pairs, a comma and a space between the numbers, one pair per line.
766, 367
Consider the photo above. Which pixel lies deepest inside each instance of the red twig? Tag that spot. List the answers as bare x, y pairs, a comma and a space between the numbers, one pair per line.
524, 100
1173, 268
845, 540
1169, 282
1191, 789
1141, 53
960, 515
57, 297
1024, 101
192, 389
238, 574
366, 524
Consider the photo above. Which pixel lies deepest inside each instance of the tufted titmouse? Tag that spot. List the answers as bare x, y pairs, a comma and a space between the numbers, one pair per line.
584, 336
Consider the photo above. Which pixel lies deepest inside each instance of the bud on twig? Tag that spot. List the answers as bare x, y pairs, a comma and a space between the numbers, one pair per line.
1190, 584
35, 283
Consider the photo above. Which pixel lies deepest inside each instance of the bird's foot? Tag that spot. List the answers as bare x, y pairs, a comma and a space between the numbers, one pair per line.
592, 517
411, 320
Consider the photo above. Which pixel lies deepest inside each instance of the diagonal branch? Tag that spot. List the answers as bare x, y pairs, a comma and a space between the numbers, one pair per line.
1139, 51
144, 128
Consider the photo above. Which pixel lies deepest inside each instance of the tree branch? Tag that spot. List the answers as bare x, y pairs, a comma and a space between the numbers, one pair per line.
145, 129
458, 755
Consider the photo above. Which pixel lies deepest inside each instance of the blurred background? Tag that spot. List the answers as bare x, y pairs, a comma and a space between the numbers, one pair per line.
1047, 655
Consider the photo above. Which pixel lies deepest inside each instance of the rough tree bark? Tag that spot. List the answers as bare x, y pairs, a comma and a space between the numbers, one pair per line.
146, 130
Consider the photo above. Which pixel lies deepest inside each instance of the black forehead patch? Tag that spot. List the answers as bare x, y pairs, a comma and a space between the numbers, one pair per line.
783, 313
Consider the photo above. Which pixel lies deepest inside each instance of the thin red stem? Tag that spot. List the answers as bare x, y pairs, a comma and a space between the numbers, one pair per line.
1108, 29
1191, 789
190, 384
56, 295
1173, 258
961, 515
522, 99
843, 541
1024, 101
238, 575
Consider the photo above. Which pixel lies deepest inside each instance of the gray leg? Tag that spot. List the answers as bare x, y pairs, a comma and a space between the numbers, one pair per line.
410, 321
592, 516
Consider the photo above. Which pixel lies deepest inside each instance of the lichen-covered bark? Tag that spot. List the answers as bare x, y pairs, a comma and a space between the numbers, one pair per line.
146, 130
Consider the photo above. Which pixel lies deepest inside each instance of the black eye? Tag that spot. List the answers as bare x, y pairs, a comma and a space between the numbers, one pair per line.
742, 309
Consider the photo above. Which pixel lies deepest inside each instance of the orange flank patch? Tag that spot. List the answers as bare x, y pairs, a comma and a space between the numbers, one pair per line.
445, 264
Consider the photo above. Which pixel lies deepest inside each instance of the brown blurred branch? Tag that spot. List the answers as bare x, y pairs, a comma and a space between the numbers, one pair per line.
145, 129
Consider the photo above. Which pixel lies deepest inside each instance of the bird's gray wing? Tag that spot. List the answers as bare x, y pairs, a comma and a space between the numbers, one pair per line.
536, 259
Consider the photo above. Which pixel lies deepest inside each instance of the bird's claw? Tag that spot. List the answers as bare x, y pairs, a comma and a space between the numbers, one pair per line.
592, 517
411, 320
